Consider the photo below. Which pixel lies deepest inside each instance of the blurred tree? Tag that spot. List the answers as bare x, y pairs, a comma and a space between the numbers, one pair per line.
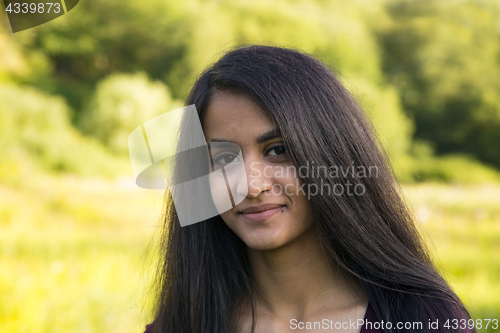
121, 103
174, 41
35, 128
382, 104
441, 56
11, 59
444, 57
100, 38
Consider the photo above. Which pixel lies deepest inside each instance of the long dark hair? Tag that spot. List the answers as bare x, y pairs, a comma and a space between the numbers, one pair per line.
204, 268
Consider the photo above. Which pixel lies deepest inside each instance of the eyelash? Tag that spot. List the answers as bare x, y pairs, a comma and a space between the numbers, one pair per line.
275, 147
220, 156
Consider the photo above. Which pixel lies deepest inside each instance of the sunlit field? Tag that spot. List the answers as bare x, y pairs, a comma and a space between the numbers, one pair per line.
462, 227
73, 255
74, 252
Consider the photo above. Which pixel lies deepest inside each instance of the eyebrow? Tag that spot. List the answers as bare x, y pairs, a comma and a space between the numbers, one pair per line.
269, 135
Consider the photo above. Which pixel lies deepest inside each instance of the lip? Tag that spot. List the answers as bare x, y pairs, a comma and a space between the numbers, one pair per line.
261, 208
261, 213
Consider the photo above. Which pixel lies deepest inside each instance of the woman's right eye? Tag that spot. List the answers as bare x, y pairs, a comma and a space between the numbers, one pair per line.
224, 159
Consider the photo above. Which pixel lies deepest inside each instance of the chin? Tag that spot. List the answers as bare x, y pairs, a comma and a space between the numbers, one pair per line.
262, 246
266, 242
269, 235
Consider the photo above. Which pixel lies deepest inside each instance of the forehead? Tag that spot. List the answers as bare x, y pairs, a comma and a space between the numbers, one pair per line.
235, 117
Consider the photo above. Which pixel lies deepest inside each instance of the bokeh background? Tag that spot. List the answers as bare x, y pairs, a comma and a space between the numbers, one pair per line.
77, 237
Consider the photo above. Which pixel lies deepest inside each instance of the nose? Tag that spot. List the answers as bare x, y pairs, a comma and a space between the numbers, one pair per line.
256, 179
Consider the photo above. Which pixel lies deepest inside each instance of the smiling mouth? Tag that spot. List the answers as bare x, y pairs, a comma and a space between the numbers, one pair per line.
256, 214
261, 208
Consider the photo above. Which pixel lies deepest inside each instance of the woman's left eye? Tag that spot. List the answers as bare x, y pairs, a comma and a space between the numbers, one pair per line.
277, 151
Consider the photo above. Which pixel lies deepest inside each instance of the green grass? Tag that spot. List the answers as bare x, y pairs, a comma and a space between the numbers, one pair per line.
74, 252
461, 225
74, 255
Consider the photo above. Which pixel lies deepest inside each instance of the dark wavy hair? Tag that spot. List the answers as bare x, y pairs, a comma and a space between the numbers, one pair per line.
204, 271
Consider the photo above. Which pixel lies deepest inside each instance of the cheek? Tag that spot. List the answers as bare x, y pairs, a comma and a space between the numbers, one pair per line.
226, 217
220, 192
288, 184
230, 189
304, 211
297, 193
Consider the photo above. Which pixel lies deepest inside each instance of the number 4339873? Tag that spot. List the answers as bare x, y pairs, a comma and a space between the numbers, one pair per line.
32, 8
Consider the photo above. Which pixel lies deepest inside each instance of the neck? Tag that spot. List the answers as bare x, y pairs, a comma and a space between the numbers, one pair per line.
298, 280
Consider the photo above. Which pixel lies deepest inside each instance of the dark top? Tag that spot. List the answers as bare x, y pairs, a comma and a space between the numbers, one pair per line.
369, 317
149, 328
372, 318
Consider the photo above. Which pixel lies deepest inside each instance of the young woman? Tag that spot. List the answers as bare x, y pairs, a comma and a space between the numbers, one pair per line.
322, 240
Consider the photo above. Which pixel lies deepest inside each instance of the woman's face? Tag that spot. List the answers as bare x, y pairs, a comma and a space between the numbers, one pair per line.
274, 211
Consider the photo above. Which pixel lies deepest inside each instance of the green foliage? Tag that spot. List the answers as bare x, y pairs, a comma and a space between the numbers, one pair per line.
334, 31
121, 103
444, 58
382, 105
421, 69
454, 169
422, 165
100, 38
11, 60
35, 128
